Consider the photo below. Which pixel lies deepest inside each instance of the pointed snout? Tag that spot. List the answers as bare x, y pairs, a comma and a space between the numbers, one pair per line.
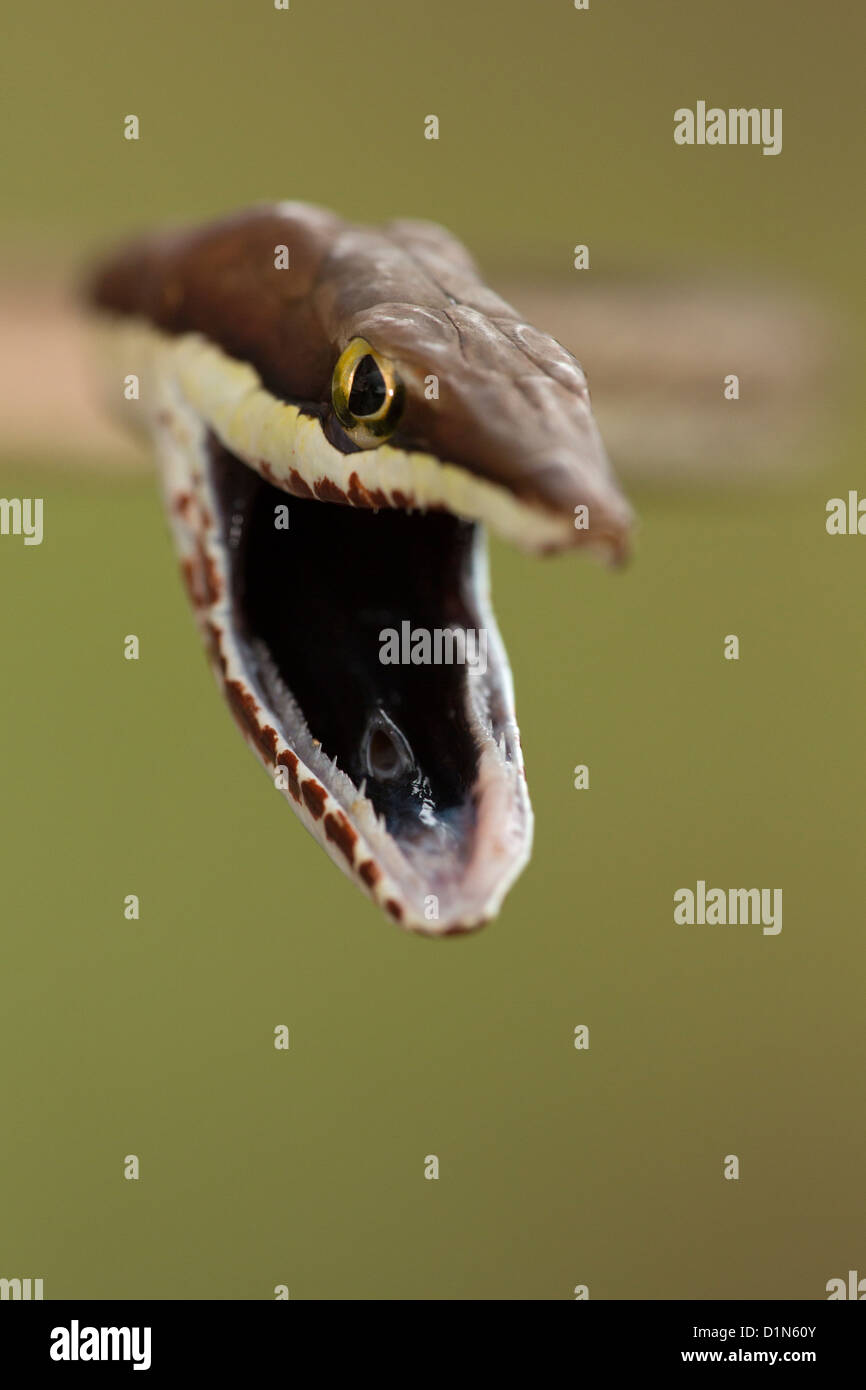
509, 404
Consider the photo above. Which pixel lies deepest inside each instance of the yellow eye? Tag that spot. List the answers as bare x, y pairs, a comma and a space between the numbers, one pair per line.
367, 394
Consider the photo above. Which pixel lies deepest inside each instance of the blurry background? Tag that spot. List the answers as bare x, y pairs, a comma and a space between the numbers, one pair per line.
558, 1167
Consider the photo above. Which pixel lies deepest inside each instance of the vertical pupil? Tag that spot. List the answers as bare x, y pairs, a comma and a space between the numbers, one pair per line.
369, 391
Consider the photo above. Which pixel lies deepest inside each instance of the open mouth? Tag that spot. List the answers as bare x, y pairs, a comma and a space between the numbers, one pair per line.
338, 616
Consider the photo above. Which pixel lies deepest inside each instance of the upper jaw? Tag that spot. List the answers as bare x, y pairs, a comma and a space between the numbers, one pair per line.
530, 502
511, 411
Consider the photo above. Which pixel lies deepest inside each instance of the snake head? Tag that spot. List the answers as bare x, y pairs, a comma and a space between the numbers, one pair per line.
475, 387
339, 412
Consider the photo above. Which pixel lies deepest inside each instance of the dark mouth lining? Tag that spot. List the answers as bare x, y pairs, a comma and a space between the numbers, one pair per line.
310, 602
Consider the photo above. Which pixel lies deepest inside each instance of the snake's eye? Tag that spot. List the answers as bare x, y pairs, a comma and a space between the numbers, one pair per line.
367, 394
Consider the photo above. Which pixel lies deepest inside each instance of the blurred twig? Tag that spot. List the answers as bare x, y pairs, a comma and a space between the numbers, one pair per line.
656, 355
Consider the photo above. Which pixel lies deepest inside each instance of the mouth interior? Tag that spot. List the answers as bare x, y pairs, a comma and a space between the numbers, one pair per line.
311, 601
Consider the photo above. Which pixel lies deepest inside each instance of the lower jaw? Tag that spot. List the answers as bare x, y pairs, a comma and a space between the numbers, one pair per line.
297, 612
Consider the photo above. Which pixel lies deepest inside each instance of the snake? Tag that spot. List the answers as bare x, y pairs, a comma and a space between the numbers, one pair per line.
340, 413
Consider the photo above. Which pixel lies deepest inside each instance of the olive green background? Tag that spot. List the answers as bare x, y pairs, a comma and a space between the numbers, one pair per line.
558, 1167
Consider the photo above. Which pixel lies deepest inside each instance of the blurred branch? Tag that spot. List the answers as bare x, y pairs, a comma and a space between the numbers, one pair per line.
656, 355
49, 403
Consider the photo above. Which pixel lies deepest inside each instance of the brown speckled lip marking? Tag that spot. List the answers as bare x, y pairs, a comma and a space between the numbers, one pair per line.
299, 487
214, 639
189, 578
212, 584
370, 873
314, 796
361, 496
202, 579
288, 760
338, 829
245, 710
357, 493
327, 491
294, 484
395, 910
